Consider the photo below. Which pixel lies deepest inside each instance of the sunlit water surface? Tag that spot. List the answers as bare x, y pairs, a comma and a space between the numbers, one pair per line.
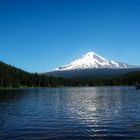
100, 113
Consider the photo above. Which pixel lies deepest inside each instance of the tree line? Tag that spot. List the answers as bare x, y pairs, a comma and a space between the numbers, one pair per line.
12, 77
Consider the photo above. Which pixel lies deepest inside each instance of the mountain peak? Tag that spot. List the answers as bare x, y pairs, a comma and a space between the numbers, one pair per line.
92, 60
90, 54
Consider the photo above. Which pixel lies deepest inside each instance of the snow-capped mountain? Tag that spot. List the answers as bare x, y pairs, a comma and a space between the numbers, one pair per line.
91, 60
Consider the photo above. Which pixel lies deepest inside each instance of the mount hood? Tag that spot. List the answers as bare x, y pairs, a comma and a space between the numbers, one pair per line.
91, 60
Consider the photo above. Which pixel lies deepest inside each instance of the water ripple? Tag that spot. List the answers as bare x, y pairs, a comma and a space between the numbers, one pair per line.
100, 113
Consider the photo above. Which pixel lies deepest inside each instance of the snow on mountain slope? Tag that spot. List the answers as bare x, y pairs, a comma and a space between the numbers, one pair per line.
91, 60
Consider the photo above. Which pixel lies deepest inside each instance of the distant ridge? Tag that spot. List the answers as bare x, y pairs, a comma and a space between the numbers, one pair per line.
91, 60
91, 65
12, 77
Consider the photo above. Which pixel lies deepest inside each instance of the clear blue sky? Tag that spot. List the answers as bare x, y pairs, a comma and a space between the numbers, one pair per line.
39, 35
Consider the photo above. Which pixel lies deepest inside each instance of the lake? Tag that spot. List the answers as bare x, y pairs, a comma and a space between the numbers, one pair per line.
83, 113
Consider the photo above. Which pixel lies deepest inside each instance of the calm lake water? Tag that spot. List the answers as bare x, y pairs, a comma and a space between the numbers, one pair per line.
100, 113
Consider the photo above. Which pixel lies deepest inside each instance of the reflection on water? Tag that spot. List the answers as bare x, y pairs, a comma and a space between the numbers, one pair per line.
70, 113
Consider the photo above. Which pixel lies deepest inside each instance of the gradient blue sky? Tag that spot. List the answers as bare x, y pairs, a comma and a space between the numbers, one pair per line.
39, 35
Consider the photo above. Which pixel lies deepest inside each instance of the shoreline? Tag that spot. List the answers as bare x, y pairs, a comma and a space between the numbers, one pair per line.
66, 87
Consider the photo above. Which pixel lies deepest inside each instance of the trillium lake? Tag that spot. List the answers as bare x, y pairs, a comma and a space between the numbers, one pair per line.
100, 113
